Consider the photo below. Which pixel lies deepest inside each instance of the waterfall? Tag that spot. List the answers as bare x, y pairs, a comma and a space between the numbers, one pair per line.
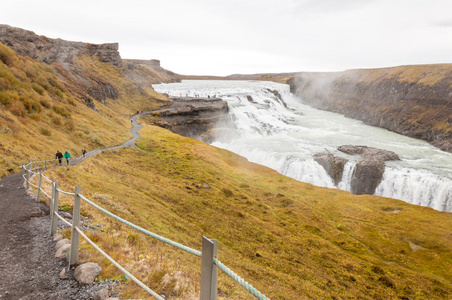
273, 128
416, 187
345, 183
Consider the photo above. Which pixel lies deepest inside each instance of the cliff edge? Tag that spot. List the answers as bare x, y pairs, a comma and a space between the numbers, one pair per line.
414, 101
72, 62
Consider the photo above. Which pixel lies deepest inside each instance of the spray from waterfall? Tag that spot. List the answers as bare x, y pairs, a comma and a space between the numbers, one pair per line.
273, 128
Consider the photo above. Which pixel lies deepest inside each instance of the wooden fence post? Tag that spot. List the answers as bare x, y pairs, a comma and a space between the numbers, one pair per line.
209, 271
27, 178
75, 223
38, 196
23, 174
54, 209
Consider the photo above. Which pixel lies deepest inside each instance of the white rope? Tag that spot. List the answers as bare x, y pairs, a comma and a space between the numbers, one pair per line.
140, 229
33, 184
46, 194
66, 193
142, 285
63, 219
49, 180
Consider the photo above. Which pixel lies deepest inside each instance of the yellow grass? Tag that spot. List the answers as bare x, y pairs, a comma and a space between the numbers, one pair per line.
290, 240
41, 112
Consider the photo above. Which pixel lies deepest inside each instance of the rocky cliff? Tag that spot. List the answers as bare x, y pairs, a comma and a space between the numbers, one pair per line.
44, 49
415, 101
71, 61
201, 118
368, 172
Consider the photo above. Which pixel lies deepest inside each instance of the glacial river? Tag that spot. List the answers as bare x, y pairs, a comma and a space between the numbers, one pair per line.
285, 135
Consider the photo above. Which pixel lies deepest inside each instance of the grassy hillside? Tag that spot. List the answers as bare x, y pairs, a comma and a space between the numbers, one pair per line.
44, 109
289, 239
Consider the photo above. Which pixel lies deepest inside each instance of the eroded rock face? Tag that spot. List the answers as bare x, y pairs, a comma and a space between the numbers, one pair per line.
414, 101
65, 57
369, 153
368, 171
333, 165
194, 117
27, 43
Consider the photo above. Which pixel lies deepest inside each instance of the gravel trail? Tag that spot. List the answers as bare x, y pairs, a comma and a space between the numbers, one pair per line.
28, 268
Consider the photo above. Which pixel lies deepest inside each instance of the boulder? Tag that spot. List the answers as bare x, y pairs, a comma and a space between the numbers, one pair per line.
61, 243
63, 251
87, 272
101, 294
63, 274
57, 237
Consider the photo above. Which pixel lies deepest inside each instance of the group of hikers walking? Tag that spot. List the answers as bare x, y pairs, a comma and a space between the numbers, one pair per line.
66, 156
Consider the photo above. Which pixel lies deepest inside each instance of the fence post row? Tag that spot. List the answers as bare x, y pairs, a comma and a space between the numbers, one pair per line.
209, 270
38, 196
23, 174
27, 176
54, 209
75, 223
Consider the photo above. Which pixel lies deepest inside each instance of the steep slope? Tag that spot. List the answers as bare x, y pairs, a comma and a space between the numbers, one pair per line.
289, 239
415, 101
61, 95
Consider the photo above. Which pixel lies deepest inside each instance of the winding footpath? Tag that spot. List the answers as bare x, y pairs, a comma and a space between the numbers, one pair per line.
28, 269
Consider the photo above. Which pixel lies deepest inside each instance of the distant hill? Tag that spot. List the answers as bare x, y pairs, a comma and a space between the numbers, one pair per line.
277, 77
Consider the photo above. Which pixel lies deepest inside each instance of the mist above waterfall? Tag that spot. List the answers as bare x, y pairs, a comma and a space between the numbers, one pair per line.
273, 128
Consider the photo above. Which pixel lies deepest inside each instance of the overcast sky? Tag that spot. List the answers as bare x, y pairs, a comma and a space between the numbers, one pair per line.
212, 37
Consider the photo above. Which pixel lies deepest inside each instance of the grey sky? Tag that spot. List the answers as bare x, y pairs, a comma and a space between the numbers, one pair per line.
250, 36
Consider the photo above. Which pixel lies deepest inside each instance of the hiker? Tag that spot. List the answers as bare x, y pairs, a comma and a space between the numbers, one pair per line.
67, 156
83, 152
59, 156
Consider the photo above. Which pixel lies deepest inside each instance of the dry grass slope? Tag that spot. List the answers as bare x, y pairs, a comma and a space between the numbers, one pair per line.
42, 109
291, 240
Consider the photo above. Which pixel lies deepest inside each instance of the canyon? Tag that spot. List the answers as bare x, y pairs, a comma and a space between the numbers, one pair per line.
414, 101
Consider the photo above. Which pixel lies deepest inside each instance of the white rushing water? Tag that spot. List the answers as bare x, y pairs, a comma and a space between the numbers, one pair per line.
285, 135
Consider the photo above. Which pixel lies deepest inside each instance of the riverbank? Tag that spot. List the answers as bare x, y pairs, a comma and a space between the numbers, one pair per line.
414, 101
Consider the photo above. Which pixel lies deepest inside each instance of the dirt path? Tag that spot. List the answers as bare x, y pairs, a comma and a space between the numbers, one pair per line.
28, 269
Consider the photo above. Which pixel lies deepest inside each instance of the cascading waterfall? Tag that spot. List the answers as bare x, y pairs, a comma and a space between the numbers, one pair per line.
345, 183
273, 128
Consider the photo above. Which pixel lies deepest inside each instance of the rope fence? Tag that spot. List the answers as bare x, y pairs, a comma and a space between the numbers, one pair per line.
209, 261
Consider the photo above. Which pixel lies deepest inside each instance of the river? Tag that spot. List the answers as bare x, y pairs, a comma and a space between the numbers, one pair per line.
285, 135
